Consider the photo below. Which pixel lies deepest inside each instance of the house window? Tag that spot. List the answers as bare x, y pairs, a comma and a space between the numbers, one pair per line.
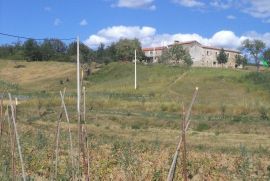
208, 53
216, 54
151, 52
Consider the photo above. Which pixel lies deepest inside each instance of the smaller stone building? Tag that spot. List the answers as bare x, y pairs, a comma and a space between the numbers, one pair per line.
202, 56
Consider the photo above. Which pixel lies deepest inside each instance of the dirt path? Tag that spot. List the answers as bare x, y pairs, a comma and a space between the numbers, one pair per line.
174, 82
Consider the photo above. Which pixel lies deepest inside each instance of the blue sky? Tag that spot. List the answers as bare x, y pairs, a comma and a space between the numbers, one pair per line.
222, 23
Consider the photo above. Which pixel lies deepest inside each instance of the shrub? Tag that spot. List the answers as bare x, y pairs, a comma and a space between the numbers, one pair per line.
263, 113
202, 127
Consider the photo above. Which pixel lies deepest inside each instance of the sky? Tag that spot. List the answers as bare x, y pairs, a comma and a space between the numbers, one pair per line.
221, 23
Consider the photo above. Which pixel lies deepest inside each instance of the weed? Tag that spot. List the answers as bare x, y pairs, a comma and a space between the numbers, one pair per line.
41, 140
263, 113
245, 163
157, 176
202, 127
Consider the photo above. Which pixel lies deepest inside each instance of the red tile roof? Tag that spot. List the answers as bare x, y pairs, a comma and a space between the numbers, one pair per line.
189, 42
215, 48
154, 48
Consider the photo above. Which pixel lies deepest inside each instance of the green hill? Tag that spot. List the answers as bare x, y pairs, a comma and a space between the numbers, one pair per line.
133, 133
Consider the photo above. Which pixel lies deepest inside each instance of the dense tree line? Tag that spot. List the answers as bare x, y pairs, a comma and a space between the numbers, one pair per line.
57, 50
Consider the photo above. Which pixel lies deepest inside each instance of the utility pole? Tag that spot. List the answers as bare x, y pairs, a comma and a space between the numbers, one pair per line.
78, 101
135, 69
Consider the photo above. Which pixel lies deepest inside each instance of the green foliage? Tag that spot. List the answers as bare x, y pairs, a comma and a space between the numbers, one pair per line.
240, 60
263, 113
266, 54
176, 54
32, 50
202, 127
244, 167
86, 54
222, 58
4, 85
254, 48
41, 140
257, 78
124, 50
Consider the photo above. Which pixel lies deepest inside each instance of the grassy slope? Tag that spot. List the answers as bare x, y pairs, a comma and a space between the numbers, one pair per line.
147, 118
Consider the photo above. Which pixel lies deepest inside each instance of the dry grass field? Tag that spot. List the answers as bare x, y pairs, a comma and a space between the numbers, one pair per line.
133, 134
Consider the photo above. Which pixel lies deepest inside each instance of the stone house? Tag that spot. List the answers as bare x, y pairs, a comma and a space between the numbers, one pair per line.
202, 56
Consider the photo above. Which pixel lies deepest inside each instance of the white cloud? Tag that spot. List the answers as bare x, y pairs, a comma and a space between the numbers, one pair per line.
231, 17
258, 8
149, 37
222, 4
115, 33
189, 3
57, 22
83, 22
145, 4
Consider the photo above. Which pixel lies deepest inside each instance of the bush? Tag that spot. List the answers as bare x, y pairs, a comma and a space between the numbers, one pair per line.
263, 113
202, 127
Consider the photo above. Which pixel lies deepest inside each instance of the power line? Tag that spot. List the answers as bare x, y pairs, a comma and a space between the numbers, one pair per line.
28, 38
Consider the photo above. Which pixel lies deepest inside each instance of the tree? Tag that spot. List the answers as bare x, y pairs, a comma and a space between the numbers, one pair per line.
176, 54
47, 50
86, 53
222, 58
166, 56
124, 49
240, 60
32, 50
266, 55
254, 48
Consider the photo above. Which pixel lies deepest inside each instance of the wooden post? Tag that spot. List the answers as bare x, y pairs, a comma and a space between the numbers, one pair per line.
17, 137
186, 117
70, 135
12, 144
57, 134
184, 146
1, 117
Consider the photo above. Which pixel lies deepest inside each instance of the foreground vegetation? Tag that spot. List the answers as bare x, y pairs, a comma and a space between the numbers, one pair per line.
133, 133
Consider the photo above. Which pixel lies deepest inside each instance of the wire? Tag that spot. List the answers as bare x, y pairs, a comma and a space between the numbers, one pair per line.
28, 38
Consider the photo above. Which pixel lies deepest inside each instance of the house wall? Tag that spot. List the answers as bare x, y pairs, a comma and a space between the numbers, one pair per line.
209, 58
153, 53
201, 56
195, 52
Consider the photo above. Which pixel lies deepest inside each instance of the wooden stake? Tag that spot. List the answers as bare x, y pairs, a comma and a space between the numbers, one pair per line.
184, 146
1, 117
70, 136
17, 136
12, 144
186, 117
57, 134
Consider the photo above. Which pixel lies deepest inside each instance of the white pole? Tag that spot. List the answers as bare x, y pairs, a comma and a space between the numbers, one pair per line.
135, 69
78, 101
